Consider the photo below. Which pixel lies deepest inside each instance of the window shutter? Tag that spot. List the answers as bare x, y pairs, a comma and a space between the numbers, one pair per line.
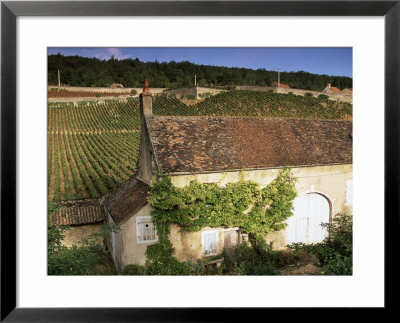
145, 230
210, 242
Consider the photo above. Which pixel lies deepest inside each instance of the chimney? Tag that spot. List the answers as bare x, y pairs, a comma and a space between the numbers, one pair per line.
329, 85
146, 100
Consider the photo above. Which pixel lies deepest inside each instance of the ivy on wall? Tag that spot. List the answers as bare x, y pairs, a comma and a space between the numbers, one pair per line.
241, 204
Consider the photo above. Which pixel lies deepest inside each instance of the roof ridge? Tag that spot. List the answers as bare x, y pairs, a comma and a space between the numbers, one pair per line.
250, 117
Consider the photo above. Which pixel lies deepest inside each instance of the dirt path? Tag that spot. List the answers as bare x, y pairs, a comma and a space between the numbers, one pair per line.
306, 267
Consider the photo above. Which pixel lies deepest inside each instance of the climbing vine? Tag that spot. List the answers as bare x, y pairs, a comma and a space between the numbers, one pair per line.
241, 204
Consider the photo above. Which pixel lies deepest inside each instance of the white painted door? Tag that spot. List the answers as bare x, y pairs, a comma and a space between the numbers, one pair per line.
310, 210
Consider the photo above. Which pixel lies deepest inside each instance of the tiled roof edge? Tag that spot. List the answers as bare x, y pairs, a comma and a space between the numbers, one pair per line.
152, 146
248, 169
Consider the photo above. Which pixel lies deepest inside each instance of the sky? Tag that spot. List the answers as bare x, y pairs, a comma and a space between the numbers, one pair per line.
336, 61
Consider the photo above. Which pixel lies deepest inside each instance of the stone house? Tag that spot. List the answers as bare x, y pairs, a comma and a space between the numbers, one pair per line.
331, 89
219, 149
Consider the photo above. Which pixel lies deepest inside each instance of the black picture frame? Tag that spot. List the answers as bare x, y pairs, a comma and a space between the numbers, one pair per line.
10, 10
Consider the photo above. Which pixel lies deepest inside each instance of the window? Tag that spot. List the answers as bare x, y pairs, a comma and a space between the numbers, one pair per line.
349, 192
145, 230
209, 242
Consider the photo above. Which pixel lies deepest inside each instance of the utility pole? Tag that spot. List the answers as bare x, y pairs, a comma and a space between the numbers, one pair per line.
195, 83
279, 77
59, 79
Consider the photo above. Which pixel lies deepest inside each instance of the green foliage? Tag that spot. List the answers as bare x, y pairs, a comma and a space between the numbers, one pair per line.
188, 97
308, 94
323, 97
259, 258
206, 204
261, 103
83, 71
133, 270
199, 205
205, 95
55, 234
251, 260
76, 260
335, 252
338, 265
87, 258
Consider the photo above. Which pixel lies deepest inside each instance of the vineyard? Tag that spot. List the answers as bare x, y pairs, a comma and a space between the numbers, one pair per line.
93, 147
252, 103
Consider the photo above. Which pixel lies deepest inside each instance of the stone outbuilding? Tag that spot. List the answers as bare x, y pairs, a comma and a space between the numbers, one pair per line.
331, 89
219, 149
83, 217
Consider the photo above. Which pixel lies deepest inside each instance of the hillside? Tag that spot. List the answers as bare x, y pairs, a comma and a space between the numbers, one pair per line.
93, 148
83, 71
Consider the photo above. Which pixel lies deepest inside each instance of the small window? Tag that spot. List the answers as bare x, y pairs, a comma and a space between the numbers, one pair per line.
209, 242
145, 230
349, 192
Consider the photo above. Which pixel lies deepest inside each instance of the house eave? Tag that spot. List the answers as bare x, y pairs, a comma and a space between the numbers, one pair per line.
246, 169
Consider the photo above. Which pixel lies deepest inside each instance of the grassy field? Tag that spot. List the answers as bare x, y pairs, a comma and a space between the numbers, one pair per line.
93, 148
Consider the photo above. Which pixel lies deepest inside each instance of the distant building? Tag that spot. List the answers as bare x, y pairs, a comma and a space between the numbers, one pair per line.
116, 85
275, 84
331, 89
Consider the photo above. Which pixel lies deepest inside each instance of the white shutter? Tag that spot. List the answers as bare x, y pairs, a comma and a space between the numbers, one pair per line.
310, 210
209, 242
145, 230
349, 192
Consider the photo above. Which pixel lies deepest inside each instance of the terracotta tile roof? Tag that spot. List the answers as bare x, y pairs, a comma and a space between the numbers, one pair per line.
128, 199
281, 85
201, 144
335, 90
79, 212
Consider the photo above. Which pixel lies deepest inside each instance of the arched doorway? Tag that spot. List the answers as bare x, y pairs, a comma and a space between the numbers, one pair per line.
310, 210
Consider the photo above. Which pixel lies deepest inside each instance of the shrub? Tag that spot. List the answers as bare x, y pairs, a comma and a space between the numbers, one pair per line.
205, 95
253, 270
256, 259
133, 270
338, 265
188, 97
133, 92
323, 97
336, 251
75, 261
308, 94
87, 259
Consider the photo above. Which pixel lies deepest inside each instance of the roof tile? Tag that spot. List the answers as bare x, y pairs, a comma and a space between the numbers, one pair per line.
128, 199
202, 144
